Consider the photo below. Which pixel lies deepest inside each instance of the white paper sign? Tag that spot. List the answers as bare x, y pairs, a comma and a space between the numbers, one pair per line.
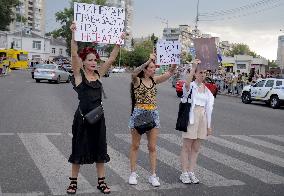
97, 23
168, 52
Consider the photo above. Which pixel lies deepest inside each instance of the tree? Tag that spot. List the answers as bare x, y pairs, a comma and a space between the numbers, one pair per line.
185, 58
241, 49
6, 14
272, 64
65, 18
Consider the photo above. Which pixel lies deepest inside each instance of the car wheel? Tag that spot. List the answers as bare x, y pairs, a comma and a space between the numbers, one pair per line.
37, 80
246, 98
58, 80
274, 102
68, 80
179, 94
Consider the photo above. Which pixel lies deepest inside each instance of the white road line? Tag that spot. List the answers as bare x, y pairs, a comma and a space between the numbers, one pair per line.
258, 142
274, 137
7, 134
241, 166
24, 194
52, 164
207, 177
120, 165
248, 151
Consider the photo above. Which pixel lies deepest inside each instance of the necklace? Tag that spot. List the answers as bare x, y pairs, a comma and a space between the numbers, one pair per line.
199, 84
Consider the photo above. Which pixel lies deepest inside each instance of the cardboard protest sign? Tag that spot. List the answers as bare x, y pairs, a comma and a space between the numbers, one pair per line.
206, 52
168, 52
99, 24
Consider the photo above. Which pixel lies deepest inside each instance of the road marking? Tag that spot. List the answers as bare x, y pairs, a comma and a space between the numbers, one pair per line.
274, 137
258, 142
7, 134
241, 166
248, 151
51, 163
20, 194
121, 166
207, 177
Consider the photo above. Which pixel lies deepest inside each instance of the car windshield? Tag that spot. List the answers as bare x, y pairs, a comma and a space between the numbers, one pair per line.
47, 66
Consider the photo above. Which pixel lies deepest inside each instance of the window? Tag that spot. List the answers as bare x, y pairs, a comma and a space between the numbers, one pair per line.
241, 66
37, 45
260, 83
60, 51
269, 83
17, 43
53, 50
278, 83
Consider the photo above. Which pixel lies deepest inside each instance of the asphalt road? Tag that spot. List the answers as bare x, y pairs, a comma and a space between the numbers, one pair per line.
244, 157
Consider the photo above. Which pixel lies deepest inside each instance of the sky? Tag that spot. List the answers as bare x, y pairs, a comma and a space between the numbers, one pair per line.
253, 22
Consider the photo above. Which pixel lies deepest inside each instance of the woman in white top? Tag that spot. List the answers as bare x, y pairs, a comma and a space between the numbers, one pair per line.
199, 126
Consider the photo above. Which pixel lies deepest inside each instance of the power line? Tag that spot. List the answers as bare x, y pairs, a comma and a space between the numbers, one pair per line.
262, 3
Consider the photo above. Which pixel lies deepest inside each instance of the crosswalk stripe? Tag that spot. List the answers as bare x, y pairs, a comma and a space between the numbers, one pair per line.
251, 170
248, 151
258, 142
274, 137
121, 166
207, 177
51, 163
7, 134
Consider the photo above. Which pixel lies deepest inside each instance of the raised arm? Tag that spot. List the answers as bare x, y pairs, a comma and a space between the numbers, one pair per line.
189, 76
104, 68
164, 77
137, 70
76, 61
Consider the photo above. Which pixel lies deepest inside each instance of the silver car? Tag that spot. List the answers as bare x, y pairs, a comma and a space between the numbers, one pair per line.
51, 72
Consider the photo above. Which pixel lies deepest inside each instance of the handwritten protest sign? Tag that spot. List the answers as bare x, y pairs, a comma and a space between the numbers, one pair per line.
206, 52
97, 23
168, 52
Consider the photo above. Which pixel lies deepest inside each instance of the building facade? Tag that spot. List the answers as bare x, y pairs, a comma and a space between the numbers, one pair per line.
38, 46
280, 51
33, 11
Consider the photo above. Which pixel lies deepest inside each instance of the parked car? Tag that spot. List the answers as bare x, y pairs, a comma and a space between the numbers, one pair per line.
51, 72
118, 70
209, 83
269, 91
34, 68
68, 67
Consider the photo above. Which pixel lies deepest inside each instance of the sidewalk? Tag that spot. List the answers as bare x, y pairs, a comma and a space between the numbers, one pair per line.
229, 95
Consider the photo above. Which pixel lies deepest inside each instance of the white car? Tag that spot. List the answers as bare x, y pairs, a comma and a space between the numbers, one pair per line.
118, 70
269, 90
51, 72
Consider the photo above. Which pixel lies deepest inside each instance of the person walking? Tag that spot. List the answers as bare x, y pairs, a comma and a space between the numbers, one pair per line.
89, 140
199, 126
144, 104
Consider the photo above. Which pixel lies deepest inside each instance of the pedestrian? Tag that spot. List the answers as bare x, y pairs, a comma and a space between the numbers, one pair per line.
144, 104
89, 140
199, 126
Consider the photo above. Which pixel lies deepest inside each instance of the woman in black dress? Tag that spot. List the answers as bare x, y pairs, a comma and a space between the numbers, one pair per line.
89, 140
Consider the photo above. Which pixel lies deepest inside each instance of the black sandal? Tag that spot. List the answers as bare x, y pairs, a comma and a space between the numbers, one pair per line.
72, 187
102, 186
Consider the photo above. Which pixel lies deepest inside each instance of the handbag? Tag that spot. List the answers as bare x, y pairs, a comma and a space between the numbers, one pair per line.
144, 122
183, 114
94, 115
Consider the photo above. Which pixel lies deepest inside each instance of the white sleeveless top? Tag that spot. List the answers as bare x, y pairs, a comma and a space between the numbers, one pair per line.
200, 99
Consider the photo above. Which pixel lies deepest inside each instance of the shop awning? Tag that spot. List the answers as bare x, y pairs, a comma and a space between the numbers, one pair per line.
228, 64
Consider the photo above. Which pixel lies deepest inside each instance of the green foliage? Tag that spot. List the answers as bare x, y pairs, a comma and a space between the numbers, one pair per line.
6, 14
241, 49
272, 64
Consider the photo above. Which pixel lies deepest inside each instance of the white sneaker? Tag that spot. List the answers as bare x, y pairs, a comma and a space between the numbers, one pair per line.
193, 178
133, 178
154, 180
184, 177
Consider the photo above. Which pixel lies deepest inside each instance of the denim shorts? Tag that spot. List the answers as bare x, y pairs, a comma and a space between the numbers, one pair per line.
137, 111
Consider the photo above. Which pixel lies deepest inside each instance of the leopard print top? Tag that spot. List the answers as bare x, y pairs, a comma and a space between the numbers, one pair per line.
145, 95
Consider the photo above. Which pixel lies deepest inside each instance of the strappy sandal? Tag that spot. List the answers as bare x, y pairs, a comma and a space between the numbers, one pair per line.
102, 186
72, 187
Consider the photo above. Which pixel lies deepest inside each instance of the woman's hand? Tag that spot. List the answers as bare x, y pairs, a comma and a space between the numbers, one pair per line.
209, 131
195, 63
73, 27
153, 57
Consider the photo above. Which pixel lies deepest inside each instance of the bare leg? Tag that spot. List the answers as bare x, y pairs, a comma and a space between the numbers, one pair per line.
184, 154
75, 170
136, 137
194, 154
74, 174
101, 173
152, 142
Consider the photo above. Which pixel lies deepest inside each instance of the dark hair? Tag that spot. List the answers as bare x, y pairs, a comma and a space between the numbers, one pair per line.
88, 50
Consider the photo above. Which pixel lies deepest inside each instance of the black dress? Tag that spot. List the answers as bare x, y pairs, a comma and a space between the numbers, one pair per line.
89, 141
